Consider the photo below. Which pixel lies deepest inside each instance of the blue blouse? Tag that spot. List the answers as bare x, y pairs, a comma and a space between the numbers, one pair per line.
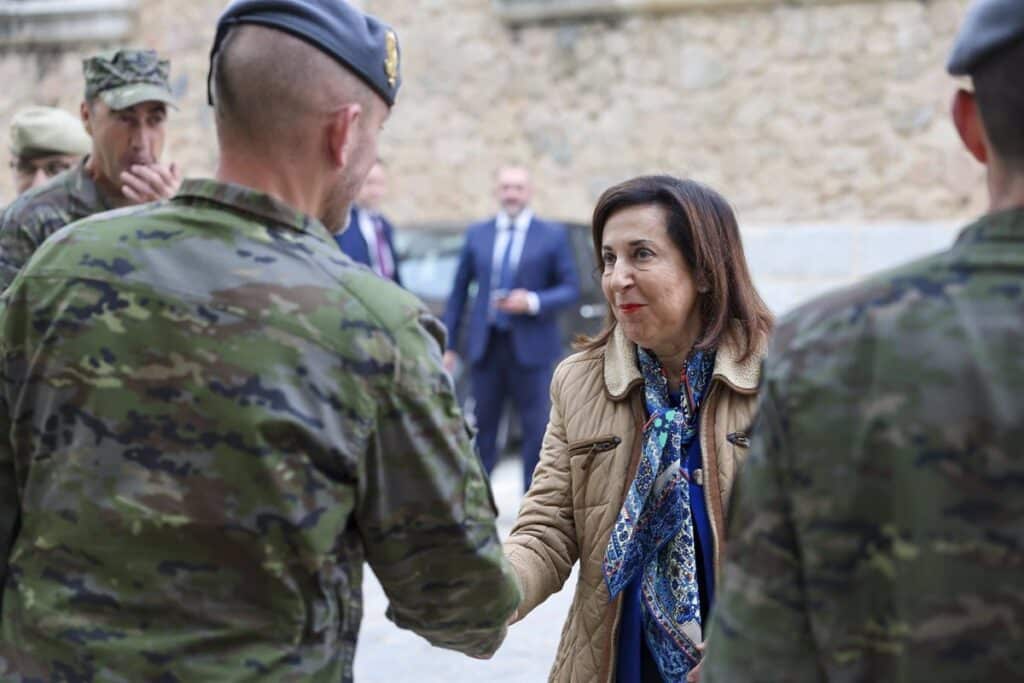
635, 664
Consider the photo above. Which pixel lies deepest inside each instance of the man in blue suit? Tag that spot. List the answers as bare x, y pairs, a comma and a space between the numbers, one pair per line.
525, 272
369, 237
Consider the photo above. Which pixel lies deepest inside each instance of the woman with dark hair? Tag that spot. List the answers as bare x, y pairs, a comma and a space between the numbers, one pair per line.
647, 431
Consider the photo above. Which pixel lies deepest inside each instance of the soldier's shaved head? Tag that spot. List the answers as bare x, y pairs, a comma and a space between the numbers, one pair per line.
294, 121
268, 85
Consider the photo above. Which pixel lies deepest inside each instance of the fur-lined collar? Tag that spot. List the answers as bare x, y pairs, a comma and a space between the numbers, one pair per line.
621, 372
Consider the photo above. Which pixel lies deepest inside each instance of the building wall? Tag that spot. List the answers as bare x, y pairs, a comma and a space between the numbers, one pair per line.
830, 115
813, 112
808, 112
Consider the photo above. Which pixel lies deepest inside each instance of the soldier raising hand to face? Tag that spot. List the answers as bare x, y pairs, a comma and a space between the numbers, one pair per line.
127, 94
125, 111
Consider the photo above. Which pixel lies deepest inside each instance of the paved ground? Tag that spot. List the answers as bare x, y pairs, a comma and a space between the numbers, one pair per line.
390, 655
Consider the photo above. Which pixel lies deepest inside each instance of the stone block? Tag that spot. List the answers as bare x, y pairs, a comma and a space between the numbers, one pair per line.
800, 251
881, 247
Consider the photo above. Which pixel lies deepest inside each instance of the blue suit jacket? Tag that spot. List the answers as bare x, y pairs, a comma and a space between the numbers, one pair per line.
352, 242
546, 267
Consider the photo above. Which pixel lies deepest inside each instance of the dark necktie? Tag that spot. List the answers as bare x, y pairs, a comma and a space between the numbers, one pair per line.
505, 276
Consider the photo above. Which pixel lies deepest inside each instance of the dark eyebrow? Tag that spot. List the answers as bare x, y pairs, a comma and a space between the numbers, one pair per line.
634, 243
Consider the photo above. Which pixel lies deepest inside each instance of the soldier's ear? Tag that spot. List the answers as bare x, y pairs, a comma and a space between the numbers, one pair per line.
341, 133
967, 120
86, 114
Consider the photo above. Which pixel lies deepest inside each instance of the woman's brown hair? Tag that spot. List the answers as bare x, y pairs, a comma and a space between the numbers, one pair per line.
703, 227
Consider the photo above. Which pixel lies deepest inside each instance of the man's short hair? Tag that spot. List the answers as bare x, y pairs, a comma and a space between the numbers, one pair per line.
999, 90
263, 80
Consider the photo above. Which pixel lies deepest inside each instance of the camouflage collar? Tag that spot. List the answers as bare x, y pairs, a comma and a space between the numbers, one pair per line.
1000, 226
254, 202
84, 191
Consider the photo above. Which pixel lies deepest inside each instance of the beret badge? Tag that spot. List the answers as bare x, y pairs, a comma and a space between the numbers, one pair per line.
391, 57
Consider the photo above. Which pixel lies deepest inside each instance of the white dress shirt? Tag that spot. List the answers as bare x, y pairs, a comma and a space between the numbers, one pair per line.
518, 235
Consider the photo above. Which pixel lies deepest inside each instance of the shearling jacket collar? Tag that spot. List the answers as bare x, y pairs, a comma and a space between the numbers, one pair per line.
621, 373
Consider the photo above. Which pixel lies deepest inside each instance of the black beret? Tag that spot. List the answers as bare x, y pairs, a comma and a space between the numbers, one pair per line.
361, 43
990, 26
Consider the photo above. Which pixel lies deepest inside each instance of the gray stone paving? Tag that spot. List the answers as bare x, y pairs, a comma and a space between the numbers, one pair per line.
387, 654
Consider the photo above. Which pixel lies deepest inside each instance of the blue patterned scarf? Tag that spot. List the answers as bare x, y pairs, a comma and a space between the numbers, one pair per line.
654, 530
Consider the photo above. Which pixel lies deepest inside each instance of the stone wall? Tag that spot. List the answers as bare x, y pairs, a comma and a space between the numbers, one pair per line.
792, 263
807, 112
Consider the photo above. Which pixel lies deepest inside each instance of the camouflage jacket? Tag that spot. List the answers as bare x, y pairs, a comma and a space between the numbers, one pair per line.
211, 417
40, 212
878, 532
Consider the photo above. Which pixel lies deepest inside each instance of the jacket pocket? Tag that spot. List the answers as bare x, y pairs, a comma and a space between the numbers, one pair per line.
588, 448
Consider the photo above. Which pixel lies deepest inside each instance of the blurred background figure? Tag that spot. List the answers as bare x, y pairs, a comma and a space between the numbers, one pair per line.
524, 272
45, 141
370, 238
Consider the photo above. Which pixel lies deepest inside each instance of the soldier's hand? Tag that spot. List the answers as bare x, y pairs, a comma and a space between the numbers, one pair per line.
450, 361
504, 631
149, 183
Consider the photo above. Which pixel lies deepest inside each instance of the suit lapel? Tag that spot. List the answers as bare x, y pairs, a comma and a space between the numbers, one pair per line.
531, 245
487, 258
353, 235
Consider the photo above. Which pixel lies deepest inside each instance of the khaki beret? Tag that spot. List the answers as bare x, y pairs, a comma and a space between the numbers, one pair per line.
37, 131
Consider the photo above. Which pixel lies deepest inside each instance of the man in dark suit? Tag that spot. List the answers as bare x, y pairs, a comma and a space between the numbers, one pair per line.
369, 237
524, 271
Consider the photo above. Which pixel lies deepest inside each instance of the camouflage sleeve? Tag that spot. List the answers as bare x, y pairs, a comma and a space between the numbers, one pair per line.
20, 236
426, 511
760, 630
8, 481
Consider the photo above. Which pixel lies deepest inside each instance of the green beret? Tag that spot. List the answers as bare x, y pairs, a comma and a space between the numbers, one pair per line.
39, 131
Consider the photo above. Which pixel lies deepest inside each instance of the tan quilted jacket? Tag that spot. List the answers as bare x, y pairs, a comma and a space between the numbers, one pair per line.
590, 453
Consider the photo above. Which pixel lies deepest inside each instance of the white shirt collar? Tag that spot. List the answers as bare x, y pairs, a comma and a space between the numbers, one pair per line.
521, 223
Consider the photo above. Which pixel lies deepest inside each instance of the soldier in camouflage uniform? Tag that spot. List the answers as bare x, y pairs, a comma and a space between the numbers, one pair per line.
212, 417
125, 109
878, 531
44, 143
